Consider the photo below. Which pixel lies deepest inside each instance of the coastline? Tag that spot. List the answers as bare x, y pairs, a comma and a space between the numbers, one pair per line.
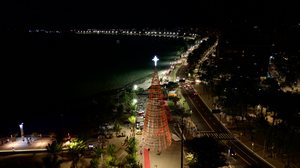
143, 82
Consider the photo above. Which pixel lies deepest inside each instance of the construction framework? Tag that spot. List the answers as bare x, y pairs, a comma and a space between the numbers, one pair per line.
156, 132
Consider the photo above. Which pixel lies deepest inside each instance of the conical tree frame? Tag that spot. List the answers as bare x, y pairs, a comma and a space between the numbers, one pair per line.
156, 132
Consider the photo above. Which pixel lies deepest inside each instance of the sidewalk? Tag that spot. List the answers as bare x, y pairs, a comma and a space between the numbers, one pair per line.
206, 96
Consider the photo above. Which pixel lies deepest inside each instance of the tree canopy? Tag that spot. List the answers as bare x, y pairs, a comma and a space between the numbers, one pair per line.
207, 152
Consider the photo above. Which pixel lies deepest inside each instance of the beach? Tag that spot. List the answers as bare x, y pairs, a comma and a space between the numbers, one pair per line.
71, 70
146, 83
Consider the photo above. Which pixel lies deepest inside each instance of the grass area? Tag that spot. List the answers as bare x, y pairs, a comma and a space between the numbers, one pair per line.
183, 102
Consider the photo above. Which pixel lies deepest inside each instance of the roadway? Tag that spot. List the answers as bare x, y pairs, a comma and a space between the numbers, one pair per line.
209, 123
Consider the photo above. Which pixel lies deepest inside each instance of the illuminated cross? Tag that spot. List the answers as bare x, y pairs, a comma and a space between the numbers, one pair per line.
155, 59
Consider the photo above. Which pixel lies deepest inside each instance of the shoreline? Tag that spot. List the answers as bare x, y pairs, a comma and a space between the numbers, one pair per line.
143, 82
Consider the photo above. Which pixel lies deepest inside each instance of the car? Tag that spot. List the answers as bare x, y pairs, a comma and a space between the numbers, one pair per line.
232, 152
138, 132
90, 146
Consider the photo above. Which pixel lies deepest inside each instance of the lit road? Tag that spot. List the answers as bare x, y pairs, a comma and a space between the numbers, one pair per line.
209, 124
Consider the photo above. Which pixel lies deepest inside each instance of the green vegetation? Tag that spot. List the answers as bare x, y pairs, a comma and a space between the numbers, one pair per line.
97, 153
76, 148
237, 77
53, 160
111, 160
195, 56
131, 158
206, 152
132, 120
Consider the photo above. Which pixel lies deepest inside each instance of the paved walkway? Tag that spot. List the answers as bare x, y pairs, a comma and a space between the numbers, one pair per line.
25, 144
168, 158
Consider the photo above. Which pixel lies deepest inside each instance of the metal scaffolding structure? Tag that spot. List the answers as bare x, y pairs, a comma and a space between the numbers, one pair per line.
156, 132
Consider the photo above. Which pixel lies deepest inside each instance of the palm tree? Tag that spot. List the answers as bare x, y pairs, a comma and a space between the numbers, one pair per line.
54, 148
131, 148
131, 157
94, 163
111, 149
97, 153
207, 152
117, 128
52, 159
76, 148
111, 159
132, 120
127, 98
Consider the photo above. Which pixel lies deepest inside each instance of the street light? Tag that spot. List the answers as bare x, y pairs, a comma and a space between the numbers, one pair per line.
252, 145
135, 87
134, 106
134, 101
184, 114
22, 130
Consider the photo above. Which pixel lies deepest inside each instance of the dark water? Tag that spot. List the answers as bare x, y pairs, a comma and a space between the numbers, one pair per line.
43, 70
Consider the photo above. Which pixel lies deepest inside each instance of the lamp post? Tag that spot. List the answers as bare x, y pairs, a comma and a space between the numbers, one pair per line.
181, 125
22, 130
134, 101
134, 105
135, 87
184, 114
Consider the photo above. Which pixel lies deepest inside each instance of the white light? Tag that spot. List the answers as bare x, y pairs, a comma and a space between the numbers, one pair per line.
134, 101
21, 126
21, 129
135, 87
155, 59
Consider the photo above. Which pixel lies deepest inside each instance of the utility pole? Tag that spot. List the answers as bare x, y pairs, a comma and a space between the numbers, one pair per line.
181, 126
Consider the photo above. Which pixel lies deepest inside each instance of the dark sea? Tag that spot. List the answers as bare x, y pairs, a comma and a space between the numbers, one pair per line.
41, 70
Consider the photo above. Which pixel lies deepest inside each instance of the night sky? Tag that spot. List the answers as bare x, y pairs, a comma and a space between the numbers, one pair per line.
96, 13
